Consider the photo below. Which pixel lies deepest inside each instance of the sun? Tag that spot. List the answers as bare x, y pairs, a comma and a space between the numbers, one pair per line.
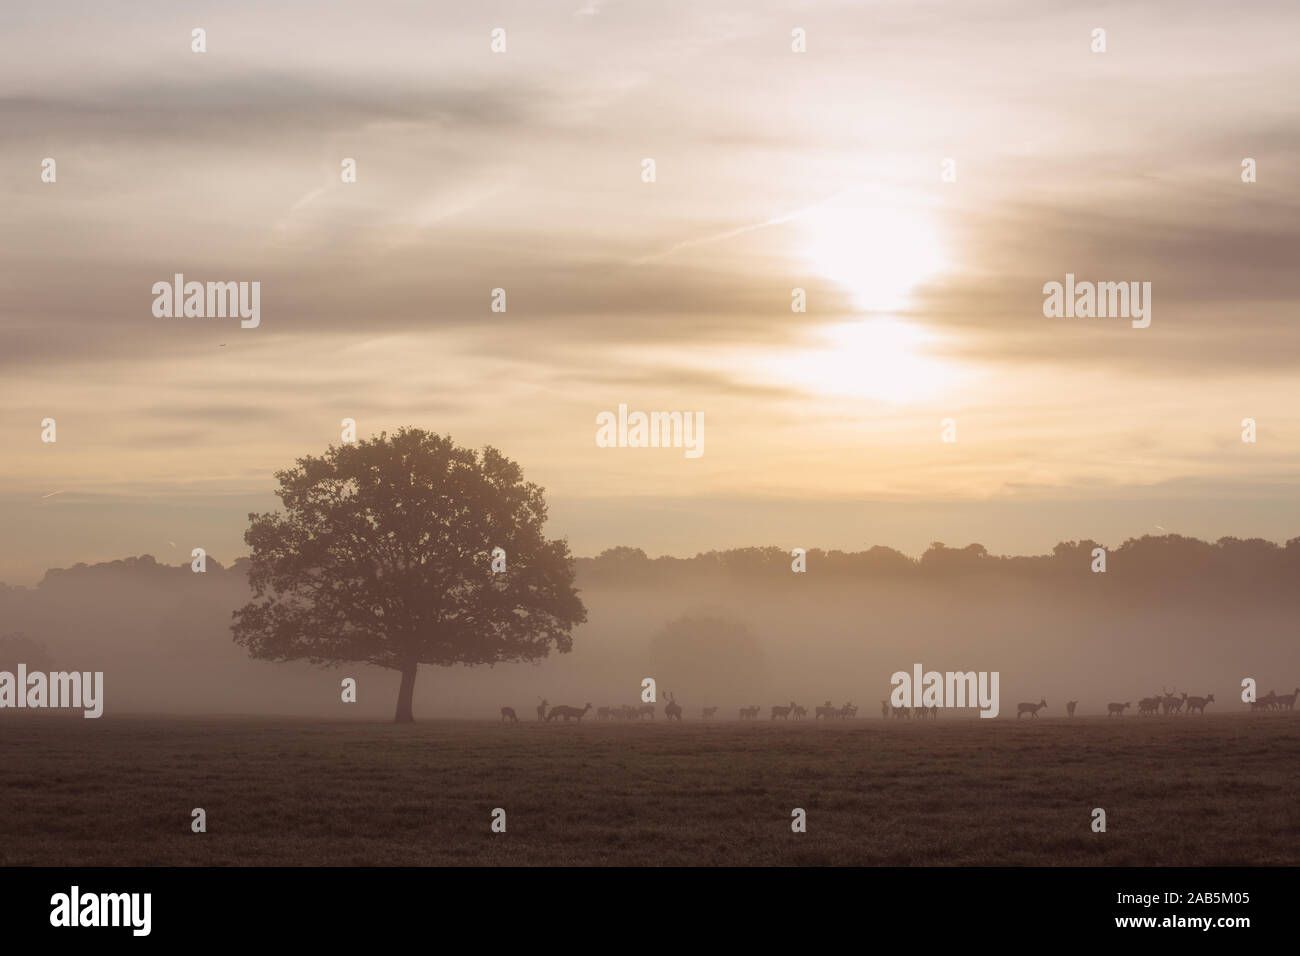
877, 251
883, 359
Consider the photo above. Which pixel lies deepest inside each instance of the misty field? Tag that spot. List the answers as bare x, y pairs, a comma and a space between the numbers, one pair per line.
1177, 791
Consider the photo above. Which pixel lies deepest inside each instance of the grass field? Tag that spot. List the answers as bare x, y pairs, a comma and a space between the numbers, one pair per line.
1177, 791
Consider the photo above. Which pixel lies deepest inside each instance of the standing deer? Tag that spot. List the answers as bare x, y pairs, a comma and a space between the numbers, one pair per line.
709, 712
1069, 707
645, 709
1149, 706
541, 709
848, 710
1116, 710
508, 713
827, 711
568, 712
1287, 701
1030, 709
799, 712
673, 710
1198, 703
884, 709
782, 712
749, 713
900, 712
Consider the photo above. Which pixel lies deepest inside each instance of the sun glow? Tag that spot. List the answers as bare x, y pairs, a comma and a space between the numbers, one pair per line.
883, 359
877, 251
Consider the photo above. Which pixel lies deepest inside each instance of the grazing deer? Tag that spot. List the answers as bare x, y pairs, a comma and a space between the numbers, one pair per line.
1116, 710
782, 712
1069, 707
709, 712
673, 710
645, 709
1030, 709
541, 709
508, 713
1198, 703
568, 712
827, 711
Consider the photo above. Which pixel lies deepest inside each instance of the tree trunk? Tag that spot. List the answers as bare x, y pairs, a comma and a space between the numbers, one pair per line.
405, 694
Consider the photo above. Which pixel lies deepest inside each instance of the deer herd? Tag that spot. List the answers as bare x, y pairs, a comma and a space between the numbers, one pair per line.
1167, 702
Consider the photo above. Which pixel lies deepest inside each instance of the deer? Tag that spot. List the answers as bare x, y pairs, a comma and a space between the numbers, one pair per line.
782, 712
827, 711
900, 713
508, 713
568, 712
1167, 703
1198, 703
541, 709
1177, 705
673, 710
749, 713
602, 713
934, 712
1069, 707
645, 709
1030, 709
1287, 701
709, 712
884, 709
848, 710
1149, 706
1116, 710
798, 712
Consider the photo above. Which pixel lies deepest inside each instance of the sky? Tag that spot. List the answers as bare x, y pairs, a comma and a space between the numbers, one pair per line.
775, 170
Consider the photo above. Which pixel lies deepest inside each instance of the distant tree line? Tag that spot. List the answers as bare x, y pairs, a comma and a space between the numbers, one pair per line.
1173, 560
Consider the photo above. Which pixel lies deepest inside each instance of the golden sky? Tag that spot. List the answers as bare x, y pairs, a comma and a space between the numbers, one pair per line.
775, 170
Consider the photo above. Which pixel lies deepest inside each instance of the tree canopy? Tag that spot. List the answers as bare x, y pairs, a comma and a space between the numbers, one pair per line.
385, 554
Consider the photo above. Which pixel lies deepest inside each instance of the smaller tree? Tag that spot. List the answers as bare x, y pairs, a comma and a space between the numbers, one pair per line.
17, 648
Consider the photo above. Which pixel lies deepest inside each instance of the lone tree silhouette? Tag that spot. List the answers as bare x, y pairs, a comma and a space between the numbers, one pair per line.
384, 556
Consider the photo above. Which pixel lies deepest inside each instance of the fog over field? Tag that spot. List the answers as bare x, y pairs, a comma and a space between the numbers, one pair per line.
726, 629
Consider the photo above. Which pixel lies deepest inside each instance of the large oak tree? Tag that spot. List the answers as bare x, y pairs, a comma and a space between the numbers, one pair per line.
383, 555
